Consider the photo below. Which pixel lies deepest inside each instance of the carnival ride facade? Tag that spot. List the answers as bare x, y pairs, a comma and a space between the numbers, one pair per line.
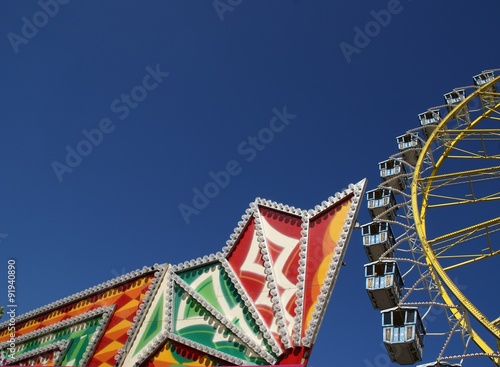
260, 301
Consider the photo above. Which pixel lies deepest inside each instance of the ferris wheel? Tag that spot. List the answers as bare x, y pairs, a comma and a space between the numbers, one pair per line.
435, 234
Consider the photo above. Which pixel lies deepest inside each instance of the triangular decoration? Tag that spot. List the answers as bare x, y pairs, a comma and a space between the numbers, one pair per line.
154, 326
327, 238
150, 331
211, 284
74, 337
260, 301
276, 274
282, 233
247, 263
193, 322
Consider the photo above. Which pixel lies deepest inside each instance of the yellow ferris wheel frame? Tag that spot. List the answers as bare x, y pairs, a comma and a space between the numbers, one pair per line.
438, 273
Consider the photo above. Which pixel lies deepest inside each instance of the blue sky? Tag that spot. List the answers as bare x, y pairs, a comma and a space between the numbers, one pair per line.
284, 95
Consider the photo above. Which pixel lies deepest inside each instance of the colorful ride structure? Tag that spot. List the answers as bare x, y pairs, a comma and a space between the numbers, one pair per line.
260, 301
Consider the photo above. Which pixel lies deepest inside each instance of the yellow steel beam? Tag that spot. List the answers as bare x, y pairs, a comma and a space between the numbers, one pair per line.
462, 236
475, 131
471, 172
460, 256
478, 258
475, 227
463, 202
493, 157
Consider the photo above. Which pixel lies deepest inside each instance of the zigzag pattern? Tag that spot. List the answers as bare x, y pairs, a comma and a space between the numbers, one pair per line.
260, 301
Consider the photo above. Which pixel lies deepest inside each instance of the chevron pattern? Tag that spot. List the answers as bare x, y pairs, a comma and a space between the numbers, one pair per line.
258, 302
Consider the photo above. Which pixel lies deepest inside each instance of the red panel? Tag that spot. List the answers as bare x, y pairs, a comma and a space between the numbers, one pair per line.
282, 233
246, 260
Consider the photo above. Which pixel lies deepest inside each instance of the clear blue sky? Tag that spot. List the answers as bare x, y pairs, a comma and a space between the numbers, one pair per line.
203, 87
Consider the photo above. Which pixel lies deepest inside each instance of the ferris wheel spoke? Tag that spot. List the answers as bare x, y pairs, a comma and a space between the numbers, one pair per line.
475, 259
451, 239
468, 154
467, 173
462, 201
493, 132
491, 110
471, 182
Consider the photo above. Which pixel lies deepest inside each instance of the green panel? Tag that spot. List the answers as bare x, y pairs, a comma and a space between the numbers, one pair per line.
153, 328
213, 283
79, 341
73, 357
192, 321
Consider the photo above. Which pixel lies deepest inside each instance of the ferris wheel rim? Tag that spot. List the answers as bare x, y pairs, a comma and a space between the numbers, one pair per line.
420, 226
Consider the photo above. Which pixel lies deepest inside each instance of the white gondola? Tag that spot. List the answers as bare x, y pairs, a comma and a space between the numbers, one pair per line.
452, 99
429, 120
410, 146
383, 284
381, 204
377, 239
393, 173
487, 97
403, 334
483, 78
